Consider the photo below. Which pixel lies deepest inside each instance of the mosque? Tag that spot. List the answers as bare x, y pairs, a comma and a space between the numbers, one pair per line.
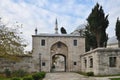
65, 52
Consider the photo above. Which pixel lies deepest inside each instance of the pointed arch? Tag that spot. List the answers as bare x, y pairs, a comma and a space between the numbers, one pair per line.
59, 49
58, 62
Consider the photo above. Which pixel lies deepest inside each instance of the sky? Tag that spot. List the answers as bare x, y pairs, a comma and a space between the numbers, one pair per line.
41, 14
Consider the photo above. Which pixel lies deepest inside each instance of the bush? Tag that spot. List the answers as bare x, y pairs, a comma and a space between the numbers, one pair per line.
36, 76
7, 73
27, 78
19, 73
42, 74
15, 78
90, 73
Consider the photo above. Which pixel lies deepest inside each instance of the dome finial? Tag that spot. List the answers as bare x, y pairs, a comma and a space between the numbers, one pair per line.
36, 31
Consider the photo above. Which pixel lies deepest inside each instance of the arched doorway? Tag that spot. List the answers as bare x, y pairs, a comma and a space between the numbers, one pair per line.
59, 57
58, 62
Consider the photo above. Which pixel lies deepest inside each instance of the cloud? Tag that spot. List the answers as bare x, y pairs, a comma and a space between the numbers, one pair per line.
112, 8
42, 14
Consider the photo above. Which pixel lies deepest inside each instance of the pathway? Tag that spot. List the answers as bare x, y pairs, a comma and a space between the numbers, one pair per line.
70, 76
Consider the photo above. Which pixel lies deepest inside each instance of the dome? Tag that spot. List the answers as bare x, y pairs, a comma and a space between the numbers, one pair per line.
112, 40
82, 26
79, 30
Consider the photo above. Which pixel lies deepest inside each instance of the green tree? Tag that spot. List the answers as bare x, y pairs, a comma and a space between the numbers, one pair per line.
118, 31
104, 39
90, 40
10, 41
63, 31
98, 23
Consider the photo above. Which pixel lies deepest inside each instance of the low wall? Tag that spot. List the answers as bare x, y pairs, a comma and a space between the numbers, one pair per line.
101, 61
24, 63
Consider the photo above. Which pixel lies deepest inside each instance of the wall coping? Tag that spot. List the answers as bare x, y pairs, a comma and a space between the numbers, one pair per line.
24, 55
101, 50
57, 35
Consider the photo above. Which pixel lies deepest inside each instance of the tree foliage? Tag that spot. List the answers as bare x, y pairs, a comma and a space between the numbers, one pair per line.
10, 41
90, 41
98, 23
118, 31
63, 31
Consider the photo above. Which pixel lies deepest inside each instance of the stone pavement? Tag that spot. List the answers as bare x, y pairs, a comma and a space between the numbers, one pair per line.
70, 76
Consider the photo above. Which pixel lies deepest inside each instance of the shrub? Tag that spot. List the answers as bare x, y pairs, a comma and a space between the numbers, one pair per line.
42, 74
36, 76
15, 78
19, 73
90, 73
7, 73
27, 78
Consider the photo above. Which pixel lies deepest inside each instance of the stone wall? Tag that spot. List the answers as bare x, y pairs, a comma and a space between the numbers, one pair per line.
23, 62
101, 61
85, 61
112, 45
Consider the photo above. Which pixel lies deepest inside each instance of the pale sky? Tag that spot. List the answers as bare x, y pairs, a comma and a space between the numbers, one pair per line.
42, 14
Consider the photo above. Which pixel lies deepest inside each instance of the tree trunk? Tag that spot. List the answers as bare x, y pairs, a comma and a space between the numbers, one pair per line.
119, 43
98, 37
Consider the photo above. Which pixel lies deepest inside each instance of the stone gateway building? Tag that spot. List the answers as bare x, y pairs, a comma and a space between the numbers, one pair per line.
65, 52
47, 46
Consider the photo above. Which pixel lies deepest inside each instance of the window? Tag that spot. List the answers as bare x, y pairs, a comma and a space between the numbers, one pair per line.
59, 45
85, 61
112, 61
75, 42
91, 62
75, 63
43, 63
42, 42
14, 62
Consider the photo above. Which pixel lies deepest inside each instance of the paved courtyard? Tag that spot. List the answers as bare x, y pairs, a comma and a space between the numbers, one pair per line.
70, 76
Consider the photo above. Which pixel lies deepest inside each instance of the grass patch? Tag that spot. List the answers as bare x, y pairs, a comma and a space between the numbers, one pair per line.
107, 75
87, 74
115, 78
82, 73
4, 78
7, 78
40, 76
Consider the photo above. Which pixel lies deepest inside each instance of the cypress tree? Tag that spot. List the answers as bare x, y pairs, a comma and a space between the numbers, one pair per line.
118, 31
90, 39
98, 23
63, 31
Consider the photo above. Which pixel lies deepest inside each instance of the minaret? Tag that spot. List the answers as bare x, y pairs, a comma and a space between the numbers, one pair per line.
36, 31
56, 27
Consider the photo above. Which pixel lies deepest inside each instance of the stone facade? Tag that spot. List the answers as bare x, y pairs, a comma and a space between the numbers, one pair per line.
44, 53
105, 61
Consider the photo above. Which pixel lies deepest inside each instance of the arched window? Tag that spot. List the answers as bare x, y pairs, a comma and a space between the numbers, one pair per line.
91, 62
